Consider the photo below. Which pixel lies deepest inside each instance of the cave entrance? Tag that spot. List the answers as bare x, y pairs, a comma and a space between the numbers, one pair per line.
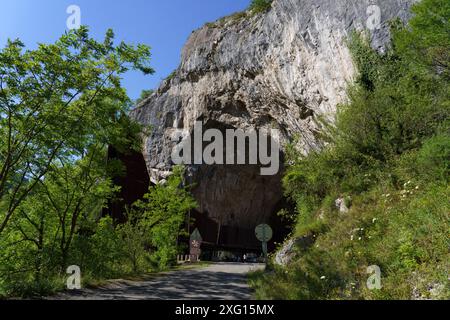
232, 200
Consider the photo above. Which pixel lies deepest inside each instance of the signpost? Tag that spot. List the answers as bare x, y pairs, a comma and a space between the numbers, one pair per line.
264, 233
195, 242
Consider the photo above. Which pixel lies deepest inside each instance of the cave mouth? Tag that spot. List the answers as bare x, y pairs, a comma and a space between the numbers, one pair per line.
232, 199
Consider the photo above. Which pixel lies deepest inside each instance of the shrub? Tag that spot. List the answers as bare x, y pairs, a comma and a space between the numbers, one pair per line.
433, 158
259, 6
163, 213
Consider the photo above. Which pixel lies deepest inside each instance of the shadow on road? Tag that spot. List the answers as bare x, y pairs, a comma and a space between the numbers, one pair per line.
216, 282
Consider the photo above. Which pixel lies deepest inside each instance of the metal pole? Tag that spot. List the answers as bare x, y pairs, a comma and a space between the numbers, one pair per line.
264, 248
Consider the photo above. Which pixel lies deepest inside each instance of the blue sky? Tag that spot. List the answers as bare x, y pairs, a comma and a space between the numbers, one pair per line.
163, 24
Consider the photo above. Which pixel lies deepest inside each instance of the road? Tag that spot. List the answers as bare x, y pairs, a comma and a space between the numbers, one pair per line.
218, 281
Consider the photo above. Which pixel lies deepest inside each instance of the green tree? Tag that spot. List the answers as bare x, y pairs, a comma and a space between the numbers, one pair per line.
54, 102
135, 240
51, 217
164, 210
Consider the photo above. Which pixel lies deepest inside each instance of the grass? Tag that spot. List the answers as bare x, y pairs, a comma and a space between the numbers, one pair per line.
260, 6
256, 7
171, 75
233, 18
405, 232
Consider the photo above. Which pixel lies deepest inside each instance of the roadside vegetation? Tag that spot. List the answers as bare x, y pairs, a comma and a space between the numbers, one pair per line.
388, 158
61, 106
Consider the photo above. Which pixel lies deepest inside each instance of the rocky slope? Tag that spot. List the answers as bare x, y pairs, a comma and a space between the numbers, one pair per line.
286, 69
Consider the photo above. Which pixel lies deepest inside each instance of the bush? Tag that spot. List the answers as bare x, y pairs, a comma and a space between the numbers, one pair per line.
433, 158
259, 6
163, 214
135, 243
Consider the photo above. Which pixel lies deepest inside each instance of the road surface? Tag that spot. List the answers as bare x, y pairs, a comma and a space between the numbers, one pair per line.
219, 281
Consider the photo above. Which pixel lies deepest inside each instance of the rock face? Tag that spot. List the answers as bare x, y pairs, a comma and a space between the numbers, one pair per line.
283, 69
341, 205
291, 249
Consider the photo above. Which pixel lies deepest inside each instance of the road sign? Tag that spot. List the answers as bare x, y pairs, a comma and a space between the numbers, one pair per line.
263, 232
196, 236
195, 242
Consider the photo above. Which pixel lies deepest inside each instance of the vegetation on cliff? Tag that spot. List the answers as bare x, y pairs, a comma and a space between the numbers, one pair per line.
388, 156
258, 6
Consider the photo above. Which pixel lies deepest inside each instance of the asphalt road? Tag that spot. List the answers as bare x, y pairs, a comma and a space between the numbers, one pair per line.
219, 281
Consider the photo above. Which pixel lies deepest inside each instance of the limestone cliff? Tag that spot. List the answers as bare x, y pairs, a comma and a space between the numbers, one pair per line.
284, 68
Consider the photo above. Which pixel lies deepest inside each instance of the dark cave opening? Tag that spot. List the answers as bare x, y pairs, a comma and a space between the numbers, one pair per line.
234, 234
134, 182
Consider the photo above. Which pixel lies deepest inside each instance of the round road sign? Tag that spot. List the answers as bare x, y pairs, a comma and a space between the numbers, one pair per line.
264, 232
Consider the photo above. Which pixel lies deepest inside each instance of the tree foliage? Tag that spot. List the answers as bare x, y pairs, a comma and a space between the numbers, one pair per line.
164, 213
55, 102
61, 105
